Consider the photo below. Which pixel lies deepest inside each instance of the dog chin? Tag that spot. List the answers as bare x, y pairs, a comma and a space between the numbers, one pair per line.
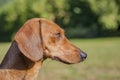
63, 61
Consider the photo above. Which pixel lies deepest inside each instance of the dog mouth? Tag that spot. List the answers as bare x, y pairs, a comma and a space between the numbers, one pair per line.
59, 59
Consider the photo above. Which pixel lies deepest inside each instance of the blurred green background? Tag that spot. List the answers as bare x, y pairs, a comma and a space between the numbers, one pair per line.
92, 25
79, 18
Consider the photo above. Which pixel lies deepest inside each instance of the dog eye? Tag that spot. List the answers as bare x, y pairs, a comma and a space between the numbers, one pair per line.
58, 35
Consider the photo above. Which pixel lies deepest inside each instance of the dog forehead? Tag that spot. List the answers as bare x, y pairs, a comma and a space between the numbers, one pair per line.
45, 24
50, 25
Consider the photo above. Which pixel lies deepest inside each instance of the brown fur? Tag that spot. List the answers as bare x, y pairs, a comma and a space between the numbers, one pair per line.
37, 40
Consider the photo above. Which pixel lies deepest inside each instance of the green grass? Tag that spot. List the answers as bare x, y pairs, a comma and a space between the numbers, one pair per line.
102, 63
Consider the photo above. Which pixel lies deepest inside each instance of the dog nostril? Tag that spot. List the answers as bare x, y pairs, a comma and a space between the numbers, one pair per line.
83, 55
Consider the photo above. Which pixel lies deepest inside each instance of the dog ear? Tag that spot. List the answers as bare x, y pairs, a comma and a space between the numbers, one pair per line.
29, 40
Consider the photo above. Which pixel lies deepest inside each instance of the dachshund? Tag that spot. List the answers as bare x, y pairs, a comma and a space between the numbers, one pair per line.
37, 40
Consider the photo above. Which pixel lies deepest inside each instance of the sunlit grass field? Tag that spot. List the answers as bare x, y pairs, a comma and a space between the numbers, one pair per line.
102, 63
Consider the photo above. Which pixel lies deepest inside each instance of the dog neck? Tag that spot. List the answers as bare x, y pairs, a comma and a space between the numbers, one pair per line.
15, 60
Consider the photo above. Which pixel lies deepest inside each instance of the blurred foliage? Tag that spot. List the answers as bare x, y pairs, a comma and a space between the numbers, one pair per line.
80, 18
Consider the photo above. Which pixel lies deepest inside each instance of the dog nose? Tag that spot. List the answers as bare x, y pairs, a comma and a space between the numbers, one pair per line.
83, 55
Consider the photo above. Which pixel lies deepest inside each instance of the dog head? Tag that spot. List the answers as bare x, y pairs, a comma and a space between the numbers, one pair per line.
40, 38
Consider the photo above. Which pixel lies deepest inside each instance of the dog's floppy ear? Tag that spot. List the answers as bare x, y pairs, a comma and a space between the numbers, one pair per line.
29, 40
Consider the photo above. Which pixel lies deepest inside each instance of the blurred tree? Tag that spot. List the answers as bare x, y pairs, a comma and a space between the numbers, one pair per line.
107, 12
80, 18
16, 12
2, 2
